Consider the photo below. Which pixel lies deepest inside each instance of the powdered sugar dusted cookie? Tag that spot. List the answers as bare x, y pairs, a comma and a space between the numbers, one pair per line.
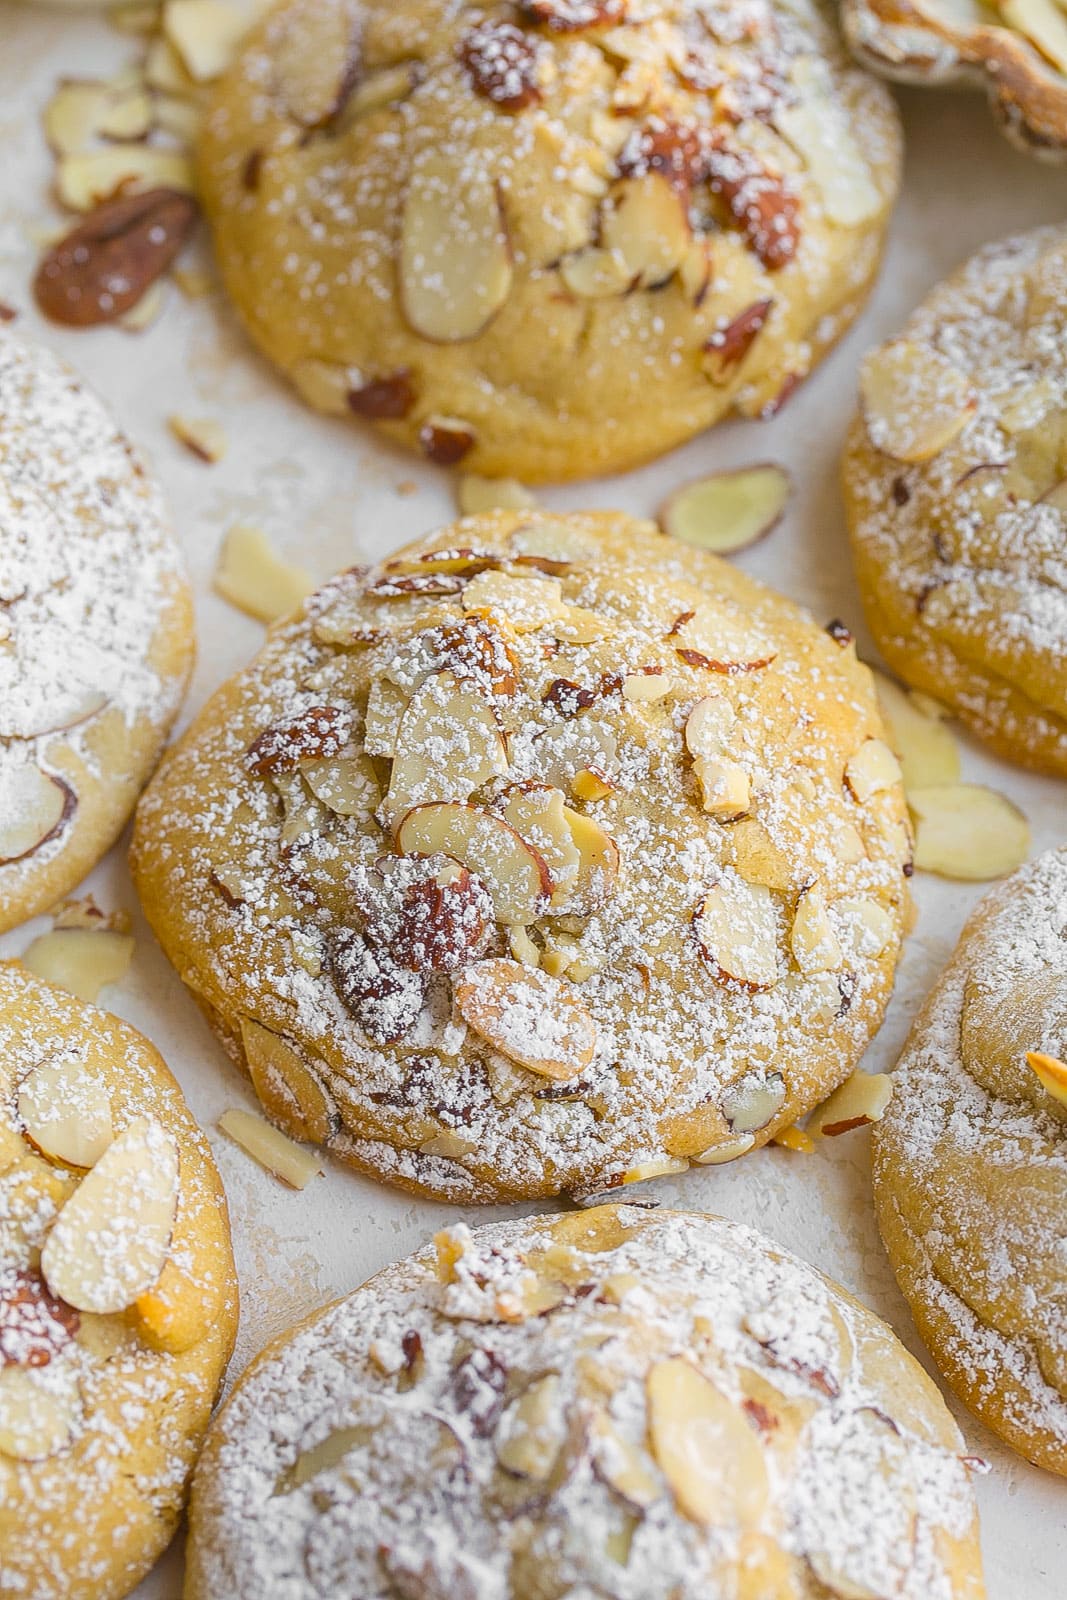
548, 856
956, 485
95, 629
610, 1403
970, 1164
547, 239
118, 1300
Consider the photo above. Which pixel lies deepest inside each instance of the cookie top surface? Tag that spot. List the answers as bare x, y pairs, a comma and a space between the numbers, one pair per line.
548, 855
95, 628
547, 239
609, 1403
971, 1164
955, 475
118, 1297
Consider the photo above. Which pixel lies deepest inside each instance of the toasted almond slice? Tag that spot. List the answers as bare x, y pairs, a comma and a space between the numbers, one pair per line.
859, 1101
523, 947
34, 808
709, 1455
111, 1239
928, 753
86, 179
287, 1086
727, 511
386, 704
814, 943
588, 785
1051, 1073
532, 1430
624, 1466
525, 604
871, 770
724, 786
81, 960
272, 1151
73, 115
964, 830
539, 815
644, 221
551, 545
448, 744
384, 87
737, 933
754, 1101
65, 1109
728, 1150
346, 785
530, 1017
720, 640
39, 1412
203, 437
516, 876
599, 862
914, 400
254, 578
476, 495
641, 688
794, 1138
205, 33
596, 274
1028, 405
454, 265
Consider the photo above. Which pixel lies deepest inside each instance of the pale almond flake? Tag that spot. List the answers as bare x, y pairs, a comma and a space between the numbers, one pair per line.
80, 960
915, 401
860, 1100
727, 511
530, 1017
253, 577
964, 830
270, 1149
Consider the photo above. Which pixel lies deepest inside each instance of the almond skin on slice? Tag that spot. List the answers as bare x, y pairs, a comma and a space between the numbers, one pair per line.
706, 1450
516, 876
1051, 1073
102, 268
317, 66
454, 266
287, 1087
314, 733
599, 861
65, 1110
966, 831
81, 960
736, 931
915, 402
34, 1325
859, 1101
449, 742
727, 511
34, 807
532, 1018
110, 1241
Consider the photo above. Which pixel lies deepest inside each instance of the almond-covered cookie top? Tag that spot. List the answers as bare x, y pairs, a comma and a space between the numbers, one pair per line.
548, 855
608, 1403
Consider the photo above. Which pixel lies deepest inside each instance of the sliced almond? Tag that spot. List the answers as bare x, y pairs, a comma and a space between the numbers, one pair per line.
596, 274
645, 223
708, 725
128, 116
65, 1109
385, 87
347, 785
966, 831
203, 437
1051, 1073
724, 787
624, 1466
818, 124
737, 933
551, 544
719, 640
795, 1139
870, 927
1043, 23
589, 785
709, 1455
516, 877
859, 1101
83, 181
287, 1086
531, 1431
39, 1412
754, 1101
386, 704
718, 1155
181, 119
315, 61
34, 808
599, 862
522, 603
757, 858
205, 33
255, 579
73, 115
915, 401
643, 688
539, 815
814, 943
530, 1017
111, 1239
81, 960
654, 1167
146, 310
727, 511
871, 770
928, 753
448, 744
454, 264
272, 1151
477, 495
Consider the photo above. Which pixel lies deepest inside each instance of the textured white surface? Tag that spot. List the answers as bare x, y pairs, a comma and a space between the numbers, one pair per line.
327, 494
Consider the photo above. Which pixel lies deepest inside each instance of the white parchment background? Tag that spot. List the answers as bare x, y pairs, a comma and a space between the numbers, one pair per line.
328, 495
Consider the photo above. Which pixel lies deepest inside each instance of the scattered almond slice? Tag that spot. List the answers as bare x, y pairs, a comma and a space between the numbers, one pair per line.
724, 786
127, 117
967, 831
476, 495
870, 927
596, 274
454, 264
814, 943
523, 603
654, 1167
645, 687
727, 511
551, 544
254, 578
315, 68
65, 1110
818, 124
205, 34
449, 742
859, 1101
1043, 23
73, 115
757, 858
599, 862
288, 1088
706, 1450
347, 785
86, 179
1051, 1073
203, 437
539, 815
721, 640
194, 282
532, 1430
753, 1102
39, 1413
34, 806
645, 223
530, 1017
623, 1466
146, 310
110, 1241
80, 960
717, 1155
872, 769
928, 753
589, 785
515, 875
914, 400
737, 933
275, 1153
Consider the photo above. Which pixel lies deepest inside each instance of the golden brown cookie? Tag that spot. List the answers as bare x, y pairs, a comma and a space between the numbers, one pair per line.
118, 1299
550, 239
970, 1164
96, 624
608, 1403
547, 856
956, 487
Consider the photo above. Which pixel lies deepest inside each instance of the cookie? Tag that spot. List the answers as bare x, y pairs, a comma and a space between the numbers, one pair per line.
551, 239
970, 1164
610, 1403
118, 1298
95, 629
547, 856
956, 486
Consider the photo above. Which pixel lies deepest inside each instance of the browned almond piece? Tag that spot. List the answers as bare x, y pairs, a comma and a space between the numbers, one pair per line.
35, 806
728, 346
503, 63
760, 203
34, 1324
516, 876
532, 1018
316, 67
103, 266
1051, 1073
707, 1451
387, 398
574, 16
446, 440
318, 732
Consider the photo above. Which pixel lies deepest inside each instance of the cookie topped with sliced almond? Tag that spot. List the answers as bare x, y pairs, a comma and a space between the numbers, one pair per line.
635, 1406
548, 856
547, 240
118, 1296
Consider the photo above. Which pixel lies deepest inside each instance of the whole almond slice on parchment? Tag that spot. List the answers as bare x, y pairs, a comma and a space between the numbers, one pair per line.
532, 1018
81, 960
727, 511
966, 831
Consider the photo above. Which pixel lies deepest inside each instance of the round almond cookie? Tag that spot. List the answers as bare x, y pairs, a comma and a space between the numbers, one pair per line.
608, 1403
547, 856
96, 638
553, 238
118, 1297
956, 486
970, 1164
